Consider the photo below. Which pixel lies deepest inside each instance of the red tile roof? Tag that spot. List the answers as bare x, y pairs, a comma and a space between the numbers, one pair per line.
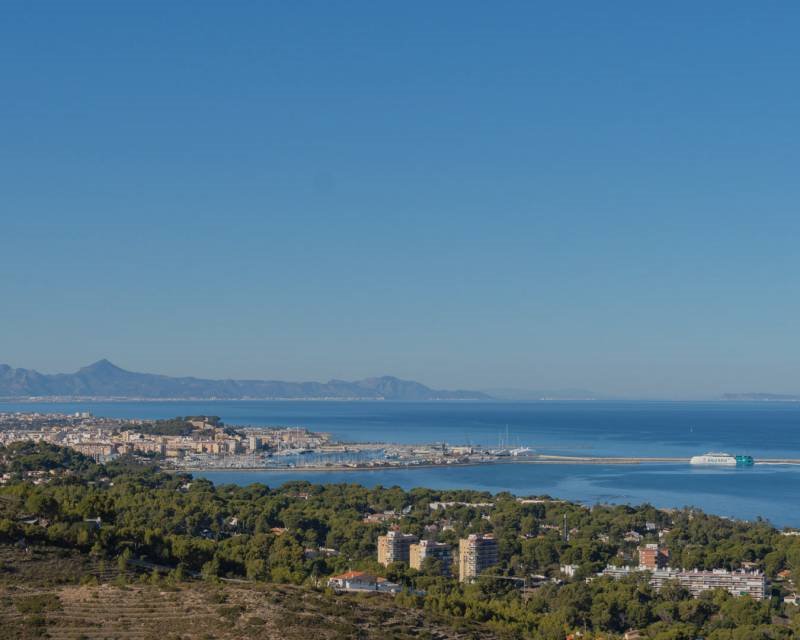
353, 574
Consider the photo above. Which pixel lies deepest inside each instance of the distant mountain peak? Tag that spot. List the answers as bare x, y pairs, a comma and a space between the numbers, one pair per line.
102, 365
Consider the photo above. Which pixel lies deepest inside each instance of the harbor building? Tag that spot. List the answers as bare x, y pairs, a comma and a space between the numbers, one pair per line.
476, 553
428, 549
395, 547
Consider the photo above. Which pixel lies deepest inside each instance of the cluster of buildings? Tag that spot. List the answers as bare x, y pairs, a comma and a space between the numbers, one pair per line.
476, 553
409, 549
24, 420
38, 476
56, 427
106, 438
654, 559
206, 438
213, 446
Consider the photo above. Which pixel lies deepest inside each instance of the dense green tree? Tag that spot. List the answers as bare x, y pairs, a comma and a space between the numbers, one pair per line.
179, 527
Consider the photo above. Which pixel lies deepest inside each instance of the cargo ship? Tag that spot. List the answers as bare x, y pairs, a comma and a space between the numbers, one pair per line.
723, 459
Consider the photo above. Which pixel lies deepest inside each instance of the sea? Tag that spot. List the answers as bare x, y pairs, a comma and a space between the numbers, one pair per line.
590, 428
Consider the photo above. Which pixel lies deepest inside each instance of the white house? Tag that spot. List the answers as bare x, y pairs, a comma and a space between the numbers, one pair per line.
362, 581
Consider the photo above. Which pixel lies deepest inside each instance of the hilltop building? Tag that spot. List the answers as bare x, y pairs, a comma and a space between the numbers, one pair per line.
476, 553
395, 547
428, 549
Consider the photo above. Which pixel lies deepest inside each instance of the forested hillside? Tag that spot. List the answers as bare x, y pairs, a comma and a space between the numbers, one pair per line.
154, 526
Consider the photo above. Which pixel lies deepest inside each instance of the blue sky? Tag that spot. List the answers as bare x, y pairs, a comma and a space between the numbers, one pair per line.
536, 195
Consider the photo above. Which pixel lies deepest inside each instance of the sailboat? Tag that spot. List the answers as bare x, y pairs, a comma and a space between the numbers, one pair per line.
521, 451
504, 450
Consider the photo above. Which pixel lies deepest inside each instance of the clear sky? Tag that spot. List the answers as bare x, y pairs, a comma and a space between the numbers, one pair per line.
537, 195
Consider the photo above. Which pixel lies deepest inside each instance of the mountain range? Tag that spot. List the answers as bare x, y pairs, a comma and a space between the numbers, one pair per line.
106, 380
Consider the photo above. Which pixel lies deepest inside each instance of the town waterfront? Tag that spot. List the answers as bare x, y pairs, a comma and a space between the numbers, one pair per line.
674, 429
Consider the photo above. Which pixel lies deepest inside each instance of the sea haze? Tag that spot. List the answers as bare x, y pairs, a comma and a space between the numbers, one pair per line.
673, 429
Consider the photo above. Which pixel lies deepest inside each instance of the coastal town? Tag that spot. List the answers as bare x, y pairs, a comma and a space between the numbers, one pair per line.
404, 548
204, 442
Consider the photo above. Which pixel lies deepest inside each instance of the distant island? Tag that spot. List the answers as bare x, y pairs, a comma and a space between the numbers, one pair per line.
105, 380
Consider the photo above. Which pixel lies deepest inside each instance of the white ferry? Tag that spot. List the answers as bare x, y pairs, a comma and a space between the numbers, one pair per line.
714, 458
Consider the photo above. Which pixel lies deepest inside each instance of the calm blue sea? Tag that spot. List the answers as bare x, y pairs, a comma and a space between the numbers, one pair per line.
590, 428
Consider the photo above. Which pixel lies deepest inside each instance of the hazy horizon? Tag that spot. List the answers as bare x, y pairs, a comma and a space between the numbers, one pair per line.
497, 393
529, 196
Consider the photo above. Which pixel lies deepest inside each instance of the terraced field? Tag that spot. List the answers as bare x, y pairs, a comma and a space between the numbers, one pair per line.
51, 566
207, 612
44, 594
